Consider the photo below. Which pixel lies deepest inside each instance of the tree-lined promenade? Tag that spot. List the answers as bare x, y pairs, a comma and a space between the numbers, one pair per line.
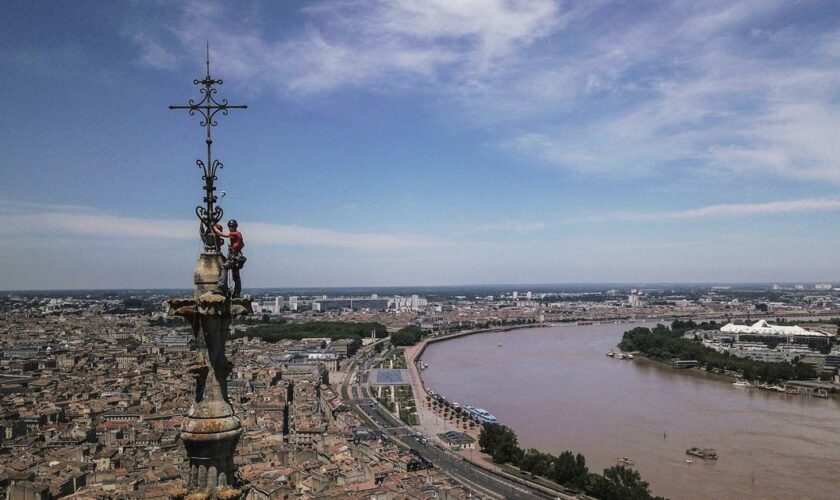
500, 444
334, 330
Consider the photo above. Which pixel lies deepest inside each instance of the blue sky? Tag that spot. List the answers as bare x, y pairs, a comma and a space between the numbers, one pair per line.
440, 142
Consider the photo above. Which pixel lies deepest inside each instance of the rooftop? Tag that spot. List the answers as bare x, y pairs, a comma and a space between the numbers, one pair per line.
764, 328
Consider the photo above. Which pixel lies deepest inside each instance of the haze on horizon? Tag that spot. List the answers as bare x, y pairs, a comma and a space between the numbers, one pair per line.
435, 143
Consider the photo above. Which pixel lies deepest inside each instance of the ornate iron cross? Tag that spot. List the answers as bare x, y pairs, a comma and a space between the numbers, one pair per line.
209, 214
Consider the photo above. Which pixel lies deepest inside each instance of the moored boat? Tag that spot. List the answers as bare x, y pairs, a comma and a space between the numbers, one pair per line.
704, 453
481, 414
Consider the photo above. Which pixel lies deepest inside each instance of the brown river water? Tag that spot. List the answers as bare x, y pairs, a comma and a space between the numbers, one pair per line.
559, 391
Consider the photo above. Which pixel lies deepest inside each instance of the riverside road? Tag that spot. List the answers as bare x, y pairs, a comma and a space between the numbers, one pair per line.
486, 483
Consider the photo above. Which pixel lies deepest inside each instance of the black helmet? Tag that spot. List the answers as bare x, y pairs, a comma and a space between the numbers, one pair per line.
232, 223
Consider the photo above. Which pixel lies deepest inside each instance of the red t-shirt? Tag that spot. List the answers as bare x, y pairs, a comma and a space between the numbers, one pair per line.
236, 241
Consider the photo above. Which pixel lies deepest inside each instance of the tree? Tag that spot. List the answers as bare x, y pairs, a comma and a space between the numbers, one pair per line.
570, 469
409, 335
537, 463
619, 483
804, 371
749, 373
272, 332
500, 442
666, 344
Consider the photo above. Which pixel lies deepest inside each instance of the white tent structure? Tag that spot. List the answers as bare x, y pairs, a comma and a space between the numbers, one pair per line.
764, 328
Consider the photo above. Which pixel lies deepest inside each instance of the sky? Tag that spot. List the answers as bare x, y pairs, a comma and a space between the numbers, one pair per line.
438, 142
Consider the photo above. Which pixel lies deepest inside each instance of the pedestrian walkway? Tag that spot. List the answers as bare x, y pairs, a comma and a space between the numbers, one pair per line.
431, 422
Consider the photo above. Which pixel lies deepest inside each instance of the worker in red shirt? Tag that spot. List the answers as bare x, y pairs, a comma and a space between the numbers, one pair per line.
235, 260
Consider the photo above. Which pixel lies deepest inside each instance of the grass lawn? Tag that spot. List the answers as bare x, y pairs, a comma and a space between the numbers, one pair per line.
395, 359
399, 397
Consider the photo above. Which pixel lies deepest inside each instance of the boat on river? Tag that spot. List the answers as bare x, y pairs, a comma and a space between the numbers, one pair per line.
611, 354
743, 384
704, 453
625, 461
481, 414
771, 387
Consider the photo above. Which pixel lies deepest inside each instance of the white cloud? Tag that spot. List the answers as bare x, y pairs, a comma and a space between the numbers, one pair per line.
596, 87
153, 53
519, 227
692, 88
278, 234
13, 207
351, 43
724, 210
98, 226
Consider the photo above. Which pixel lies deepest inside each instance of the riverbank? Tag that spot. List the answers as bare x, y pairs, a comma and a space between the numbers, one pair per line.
558, 391
450, 336
697, 371
414, 352
808, 388
433, 424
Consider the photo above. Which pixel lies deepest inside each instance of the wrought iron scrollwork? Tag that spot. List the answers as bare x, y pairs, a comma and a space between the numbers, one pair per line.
208, 221
209, 173
213, 217
209, 214
208, 106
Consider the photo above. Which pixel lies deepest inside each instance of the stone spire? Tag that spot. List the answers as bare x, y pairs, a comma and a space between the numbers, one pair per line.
210, 431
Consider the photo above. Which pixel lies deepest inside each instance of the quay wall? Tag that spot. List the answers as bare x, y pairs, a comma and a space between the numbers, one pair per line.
413, 353
421, 347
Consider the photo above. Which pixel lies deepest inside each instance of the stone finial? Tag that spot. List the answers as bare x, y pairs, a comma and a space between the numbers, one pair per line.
241, 306
180, 307
212, 304
229, 494
237, 310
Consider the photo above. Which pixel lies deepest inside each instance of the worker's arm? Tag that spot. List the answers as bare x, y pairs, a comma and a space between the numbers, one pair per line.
217, 229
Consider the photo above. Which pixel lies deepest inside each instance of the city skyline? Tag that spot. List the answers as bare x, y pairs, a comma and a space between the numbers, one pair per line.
452, 143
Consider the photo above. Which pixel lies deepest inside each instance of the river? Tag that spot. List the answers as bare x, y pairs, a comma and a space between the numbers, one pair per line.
558, 391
